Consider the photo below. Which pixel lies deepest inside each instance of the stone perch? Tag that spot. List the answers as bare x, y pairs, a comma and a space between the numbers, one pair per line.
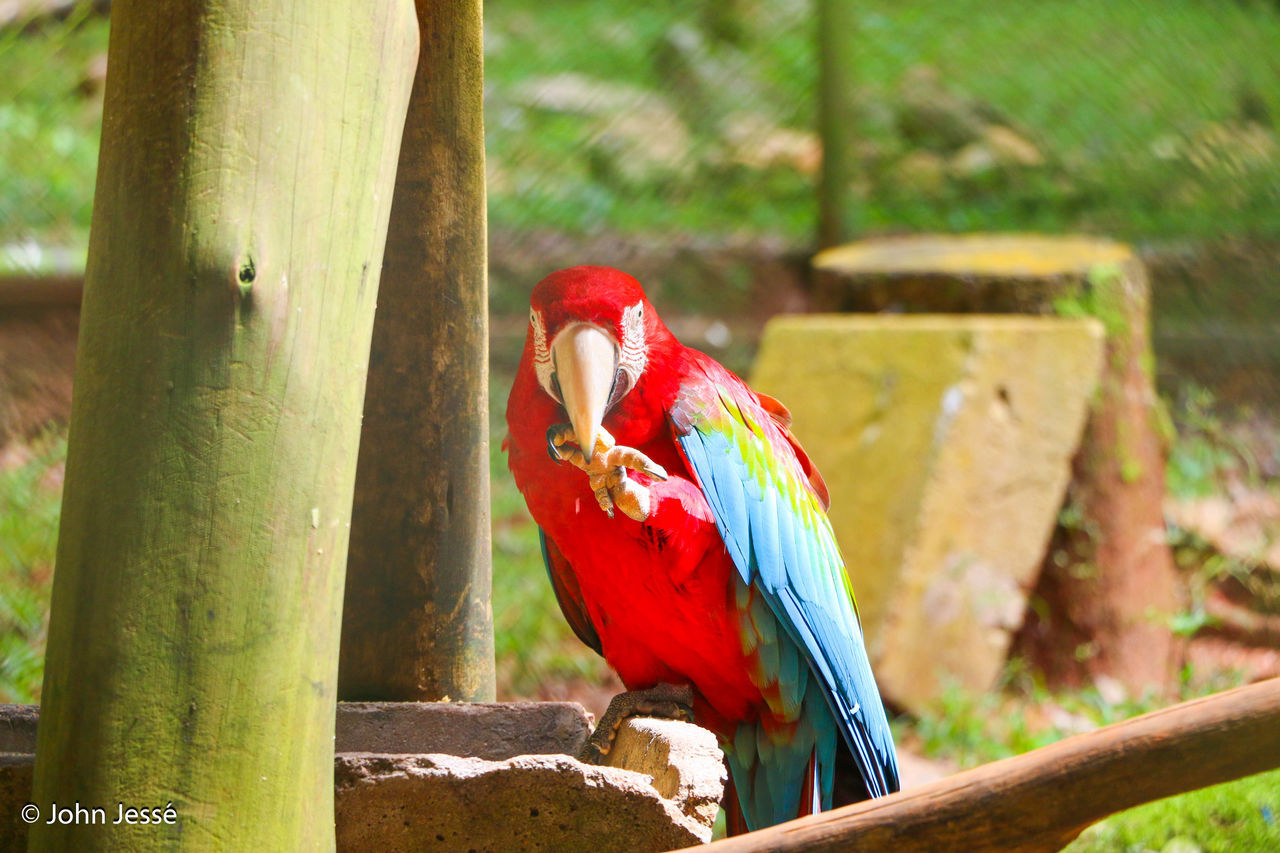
661, 792
508, 786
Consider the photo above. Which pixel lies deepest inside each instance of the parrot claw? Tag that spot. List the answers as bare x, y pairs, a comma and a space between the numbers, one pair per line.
607, 470
667, 701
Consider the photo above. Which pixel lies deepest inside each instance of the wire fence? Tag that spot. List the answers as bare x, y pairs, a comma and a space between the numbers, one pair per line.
625, 128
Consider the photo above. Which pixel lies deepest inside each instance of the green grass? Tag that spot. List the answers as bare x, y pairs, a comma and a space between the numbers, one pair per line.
1115, 95
1237, 817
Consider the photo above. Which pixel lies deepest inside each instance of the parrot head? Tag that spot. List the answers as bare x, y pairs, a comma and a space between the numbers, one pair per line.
590, 330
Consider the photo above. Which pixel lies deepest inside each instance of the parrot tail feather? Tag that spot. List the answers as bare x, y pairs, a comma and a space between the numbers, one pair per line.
810, 800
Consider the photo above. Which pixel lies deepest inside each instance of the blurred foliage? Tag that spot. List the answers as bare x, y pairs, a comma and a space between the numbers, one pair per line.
1218, 447
1148, 118
1022, 715
30, 499
50, 118
1136, 118
1235, 817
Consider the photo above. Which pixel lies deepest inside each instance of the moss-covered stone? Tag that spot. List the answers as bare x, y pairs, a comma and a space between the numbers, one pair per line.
946, 444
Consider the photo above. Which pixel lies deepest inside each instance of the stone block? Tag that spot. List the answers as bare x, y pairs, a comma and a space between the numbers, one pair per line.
662, 790
489, 730
682, 760
946, 443
535, 802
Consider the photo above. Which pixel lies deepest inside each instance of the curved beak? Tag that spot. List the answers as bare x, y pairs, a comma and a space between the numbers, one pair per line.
585, 359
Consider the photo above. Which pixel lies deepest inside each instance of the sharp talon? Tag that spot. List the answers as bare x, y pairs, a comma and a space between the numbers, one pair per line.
557, 435
629, 457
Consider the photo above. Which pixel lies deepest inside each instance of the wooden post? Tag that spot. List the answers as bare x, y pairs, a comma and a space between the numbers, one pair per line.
837, 119
244, 184
1039, 801
417, 623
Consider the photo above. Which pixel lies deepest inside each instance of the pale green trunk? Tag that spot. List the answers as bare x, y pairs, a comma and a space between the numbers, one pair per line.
417, 623
248, 154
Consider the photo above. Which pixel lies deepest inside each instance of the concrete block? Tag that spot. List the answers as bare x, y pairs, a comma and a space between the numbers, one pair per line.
946, 443
489, 730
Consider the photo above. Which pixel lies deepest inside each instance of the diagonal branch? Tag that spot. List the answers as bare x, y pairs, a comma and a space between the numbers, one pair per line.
1041, 800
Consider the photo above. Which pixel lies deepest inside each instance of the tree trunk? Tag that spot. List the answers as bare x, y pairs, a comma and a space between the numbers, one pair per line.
417, 623
1109, 589
248, 156
837, 119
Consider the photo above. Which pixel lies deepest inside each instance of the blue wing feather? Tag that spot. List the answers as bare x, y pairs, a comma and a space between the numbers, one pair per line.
781, 543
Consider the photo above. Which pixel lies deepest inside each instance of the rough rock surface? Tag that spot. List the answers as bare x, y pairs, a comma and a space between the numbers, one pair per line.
662, 792
683, 761
946, 444
535, 802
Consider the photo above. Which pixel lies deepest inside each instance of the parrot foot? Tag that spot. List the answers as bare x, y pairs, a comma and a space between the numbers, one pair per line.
668, 701
607, 470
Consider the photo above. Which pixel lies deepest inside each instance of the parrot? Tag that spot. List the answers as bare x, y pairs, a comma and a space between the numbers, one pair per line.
685, 534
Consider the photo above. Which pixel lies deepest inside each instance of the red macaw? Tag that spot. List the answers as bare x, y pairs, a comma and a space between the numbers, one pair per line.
721, 571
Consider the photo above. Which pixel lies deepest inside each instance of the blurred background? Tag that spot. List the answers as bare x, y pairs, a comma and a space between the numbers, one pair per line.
678, 141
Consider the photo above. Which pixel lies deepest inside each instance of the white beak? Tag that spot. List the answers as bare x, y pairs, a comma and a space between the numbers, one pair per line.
585, 359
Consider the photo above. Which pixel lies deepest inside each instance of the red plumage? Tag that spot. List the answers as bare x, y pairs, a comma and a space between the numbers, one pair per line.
658, 594
727, 578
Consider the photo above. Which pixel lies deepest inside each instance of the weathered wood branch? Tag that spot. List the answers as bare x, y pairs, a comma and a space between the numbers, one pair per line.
1041, 800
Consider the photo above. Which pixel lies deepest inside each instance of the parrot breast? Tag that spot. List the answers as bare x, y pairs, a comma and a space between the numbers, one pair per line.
660, 593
